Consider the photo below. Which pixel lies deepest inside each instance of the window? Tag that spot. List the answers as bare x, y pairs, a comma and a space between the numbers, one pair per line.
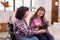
27, 3
1, 6
33, 5
18, 4
14, 4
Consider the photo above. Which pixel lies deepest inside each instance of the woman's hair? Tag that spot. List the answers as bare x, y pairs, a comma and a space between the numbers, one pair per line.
35, 15
21, 12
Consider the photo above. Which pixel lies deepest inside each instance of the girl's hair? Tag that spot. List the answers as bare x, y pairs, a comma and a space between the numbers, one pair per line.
21, 12
35, 15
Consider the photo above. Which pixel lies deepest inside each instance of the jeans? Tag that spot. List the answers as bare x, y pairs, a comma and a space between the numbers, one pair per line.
27, 38
44, 36
49, 36
41, 37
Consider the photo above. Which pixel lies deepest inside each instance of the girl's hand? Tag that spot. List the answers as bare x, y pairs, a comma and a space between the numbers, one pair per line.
37, 24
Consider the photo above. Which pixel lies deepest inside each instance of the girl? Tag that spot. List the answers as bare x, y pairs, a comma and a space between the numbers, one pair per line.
36, 22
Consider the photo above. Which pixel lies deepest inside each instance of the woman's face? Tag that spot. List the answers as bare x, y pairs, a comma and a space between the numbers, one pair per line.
40, 13
26, 14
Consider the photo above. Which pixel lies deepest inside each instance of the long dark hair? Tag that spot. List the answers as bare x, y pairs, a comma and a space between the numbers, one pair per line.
35, 15
21, 12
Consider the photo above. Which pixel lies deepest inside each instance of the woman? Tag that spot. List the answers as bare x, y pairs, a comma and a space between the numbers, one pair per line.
20, 26
36, 23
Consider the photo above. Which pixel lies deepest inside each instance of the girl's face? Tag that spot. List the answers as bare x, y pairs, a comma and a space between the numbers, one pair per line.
40, 13
26, 14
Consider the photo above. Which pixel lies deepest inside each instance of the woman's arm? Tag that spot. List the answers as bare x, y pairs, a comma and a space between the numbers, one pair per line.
27, 31
22, 27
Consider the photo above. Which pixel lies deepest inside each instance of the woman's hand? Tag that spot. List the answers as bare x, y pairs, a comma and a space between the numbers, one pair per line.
36, 29
40, 31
